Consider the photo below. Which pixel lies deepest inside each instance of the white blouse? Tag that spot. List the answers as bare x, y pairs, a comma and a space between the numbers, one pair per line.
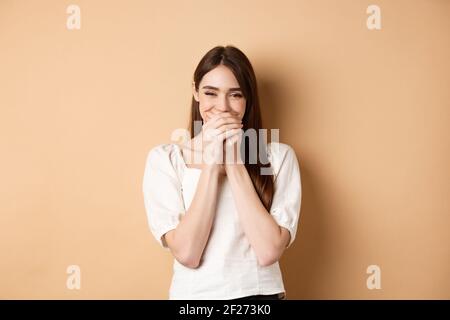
229, 267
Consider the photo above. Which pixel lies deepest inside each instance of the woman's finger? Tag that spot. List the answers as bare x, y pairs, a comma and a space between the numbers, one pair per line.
223, 121
230, 127
229, 133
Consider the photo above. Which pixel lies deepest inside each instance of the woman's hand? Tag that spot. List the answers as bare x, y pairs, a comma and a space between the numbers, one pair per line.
232, 149
209, 143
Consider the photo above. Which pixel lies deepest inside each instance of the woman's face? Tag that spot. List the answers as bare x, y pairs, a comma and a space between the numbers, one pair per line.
219, 91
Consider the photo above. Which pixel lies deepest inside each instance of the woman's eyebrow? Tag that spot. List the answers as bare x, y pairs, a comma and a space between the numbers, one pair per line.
214, 88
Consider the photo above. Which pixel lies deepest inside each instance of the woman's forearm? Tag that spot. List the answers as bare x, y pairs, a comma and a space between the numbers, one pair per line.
262, 231
187, 242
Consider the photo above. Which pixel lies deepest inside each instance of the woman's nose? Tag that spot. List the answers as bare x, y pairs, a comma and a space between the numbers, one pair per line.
223, 105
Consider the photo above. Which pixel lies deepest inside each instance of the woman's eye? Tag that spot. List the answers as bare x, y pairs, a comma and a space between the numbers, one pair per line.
210, 93
236, 95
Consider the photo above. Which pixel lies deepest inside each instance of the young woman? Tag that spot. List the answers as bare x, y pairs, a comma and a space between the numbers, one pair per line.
224, 219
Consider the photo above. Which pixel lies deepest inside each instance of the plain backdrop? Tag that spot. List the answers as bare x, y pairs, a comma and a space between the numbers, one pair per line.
367, 112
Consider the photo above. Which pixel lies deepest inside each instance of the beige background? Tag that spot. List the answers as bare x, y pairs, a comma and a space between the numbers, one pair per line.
366, 111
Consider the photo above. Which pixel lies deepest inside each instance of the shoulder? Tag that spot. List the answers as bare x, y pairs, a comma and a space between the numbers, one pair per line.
280, 155
162, 150
163, 156
279, 148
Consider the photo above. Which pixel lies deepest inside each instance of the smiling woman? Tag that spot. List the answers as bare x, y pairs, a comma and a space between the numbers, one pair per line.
219, 92
226, 223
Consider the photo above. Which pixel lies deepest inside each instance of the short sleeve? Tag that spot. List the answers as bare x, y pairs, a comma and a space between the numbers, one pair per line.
286, 200
162, 192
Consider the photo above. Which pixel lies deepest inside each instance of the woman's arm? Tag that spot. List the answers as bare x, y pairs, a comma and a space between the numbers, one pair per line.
189, 239
266, 237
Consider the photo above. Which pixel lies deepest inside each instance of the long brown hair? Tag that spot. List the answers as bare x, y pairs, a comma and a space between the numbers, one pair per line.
239, 64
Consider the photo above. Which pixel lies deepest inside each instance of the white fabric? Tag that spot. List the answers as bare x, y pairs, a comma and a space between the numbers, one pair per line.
229, 268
